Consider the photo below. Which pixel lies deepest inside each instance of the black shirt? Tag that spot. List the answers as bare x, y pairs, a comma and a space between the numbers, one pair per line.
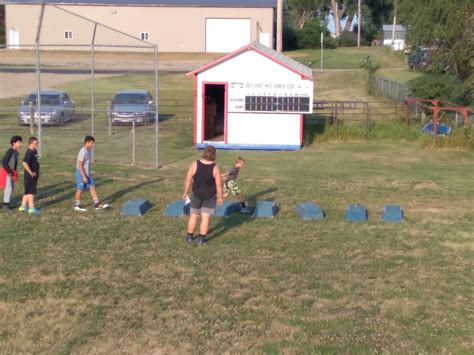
10, 160
31, 158
233, 172
204, 183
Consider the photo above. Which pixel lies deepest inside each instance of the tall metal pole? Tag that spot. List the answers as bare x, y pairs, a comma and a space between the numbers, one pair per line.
322, 48
93, 79
157, 130
359, 23
279, 43
38, 76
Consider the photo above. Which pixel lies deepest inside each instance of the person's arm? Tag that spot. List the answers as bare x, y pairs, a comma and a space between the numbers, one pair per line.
217, 177
27, 168
80, 164
5, 160
225, 174
188, 179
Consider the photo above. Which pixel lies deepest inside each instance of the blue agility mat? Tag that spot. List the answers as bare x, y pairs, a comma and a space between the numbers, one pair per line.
177, 209
136, 207
356, 213
392, 213
265, 209
441, 129
309, 211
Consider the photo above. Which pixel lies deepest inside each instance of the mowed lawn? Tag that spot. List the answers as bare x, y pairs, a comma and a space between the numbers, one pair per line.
99, 283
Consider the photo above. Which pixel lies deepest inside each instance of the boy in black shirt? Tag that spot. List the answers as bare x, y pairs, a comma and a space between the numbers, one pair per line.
8, 175
31, 175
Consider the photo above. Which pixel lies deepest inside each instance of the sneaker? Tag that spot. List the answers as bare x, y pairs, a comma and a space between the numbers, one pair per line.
22, 209
34, 210
101, 206
246, 210
189, 239
203, 240
79, 208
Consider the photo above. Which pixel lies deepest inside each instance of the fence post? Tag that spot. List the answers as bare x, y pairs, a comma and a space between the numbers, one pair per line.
337, 121
133, 143
32, 118
109, 117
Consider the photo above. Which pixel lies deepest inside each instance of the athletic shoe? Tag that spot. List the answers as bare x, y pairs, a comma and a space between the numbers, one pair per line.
101, 206
79, 208
203, 240
34, 210
190, 239
246, 210
22, 209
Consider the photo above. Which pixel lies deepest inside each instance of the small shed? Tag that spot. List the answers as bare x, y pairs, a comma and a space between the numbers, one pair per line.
251, 98
398, 42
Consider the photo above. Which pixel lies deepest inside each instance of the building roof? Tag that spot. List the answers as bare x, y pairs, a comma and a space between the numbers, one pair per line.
398, 28
167, 3
279, 58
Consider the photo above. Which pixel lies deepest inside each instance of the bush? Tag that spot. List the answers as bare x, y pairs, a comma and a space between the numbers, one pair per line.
310, 35
290, 39
441, 87
347, 39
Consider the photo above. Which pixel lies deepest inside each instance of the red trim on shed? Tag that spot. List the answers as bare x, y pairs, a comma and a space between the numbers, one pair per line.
301, 129
195, 107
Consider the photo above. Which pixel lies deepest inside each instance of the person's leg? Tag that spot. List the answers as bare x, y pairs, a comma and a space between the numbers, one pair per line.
93, 193
30, 198
8, 192
192, 222
24, 203
204, 227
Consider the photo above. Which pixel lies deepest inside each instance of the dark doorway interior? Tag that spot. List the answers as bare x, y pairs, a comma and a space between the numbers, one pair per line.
214, 112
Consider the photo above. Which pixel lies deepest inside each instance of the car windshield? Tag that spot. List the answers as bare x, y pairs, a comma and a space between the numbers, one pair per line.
130, 99
46, 99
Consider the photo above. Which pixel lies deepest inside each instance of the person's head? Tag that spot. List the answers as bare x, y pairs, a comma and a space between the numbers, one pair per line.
15, 142
33, 143
209, 153
239, 162
89, 142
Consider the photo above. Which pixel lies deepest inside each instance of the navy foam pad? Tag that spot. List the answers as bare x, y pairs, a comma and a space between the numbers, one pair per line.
309, 211
177, 209
136, 207
265, 209
392, 213
356, 213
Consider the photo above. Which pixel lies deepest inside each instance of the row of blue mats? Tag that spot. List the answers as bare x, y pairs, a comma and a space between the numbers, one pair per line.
268, 209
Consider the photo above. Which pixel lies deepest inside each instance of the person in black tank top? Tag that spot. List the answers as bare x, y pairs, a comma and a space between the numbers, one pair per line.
205, 178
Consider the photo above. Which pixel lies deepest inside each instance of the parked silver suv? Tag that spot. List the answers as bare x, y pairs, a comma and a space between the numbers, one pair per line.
132, 105
56, 108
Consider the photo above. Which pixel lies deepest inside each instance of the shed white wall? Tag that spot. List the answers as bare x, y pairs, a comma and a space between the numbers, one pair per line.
251, 128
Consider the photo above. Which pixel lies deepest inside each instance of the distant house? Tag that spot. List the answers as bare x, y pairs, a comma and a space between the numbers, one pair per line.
400, 34
175, 25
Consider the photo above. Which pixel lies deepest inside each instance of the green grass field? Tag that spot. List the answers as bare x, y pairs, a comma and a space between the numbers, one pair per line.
99, 283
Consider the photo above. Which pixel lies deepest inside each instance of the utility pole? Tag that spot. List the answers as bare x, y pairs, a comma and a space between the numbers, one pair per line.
279, 44
359, 23
394, 26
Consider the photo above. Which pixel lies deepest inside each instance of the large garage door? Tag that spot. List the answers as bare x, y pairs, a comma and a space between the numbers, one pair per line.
225, 35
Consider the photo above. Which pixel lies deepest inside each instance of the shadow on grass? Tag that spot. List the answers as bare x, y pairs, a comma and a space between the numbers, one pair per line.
118, 194
237, 219
66, 189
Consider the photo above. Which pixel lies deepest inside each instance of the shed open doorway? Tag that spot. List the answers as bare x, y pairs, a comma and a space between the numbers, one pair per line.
214, 112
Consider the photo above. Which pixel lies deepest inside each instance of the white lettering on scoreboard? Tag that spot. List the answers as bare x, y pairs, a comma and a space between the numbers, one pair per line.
275, 97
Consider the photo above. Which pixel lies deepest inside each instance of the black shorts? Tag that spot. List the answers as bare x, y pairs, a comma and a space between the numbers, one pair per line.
30, 184
199, 205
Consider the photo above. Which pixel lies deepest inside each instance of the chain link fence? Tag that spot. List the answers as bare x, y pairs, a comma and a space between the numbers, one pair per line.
391, 89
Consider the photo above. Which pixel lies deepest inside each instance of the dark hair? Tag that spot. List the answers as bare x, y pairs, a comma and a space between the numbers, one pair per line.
209, 153
89, 139
32, 139
240, 159
15, 139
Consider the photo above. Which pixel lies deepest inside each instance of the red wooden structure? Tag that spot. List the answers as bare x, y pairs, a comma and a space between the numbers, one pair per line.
436, 106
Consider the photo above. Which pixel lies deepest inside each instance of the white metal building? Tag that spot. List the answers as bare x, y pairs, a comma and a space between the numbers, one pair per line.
252, 98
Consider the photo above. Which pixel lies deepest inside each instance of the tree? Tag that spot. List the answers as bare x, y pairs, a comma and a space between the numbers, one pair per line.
444, 26
301, 11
